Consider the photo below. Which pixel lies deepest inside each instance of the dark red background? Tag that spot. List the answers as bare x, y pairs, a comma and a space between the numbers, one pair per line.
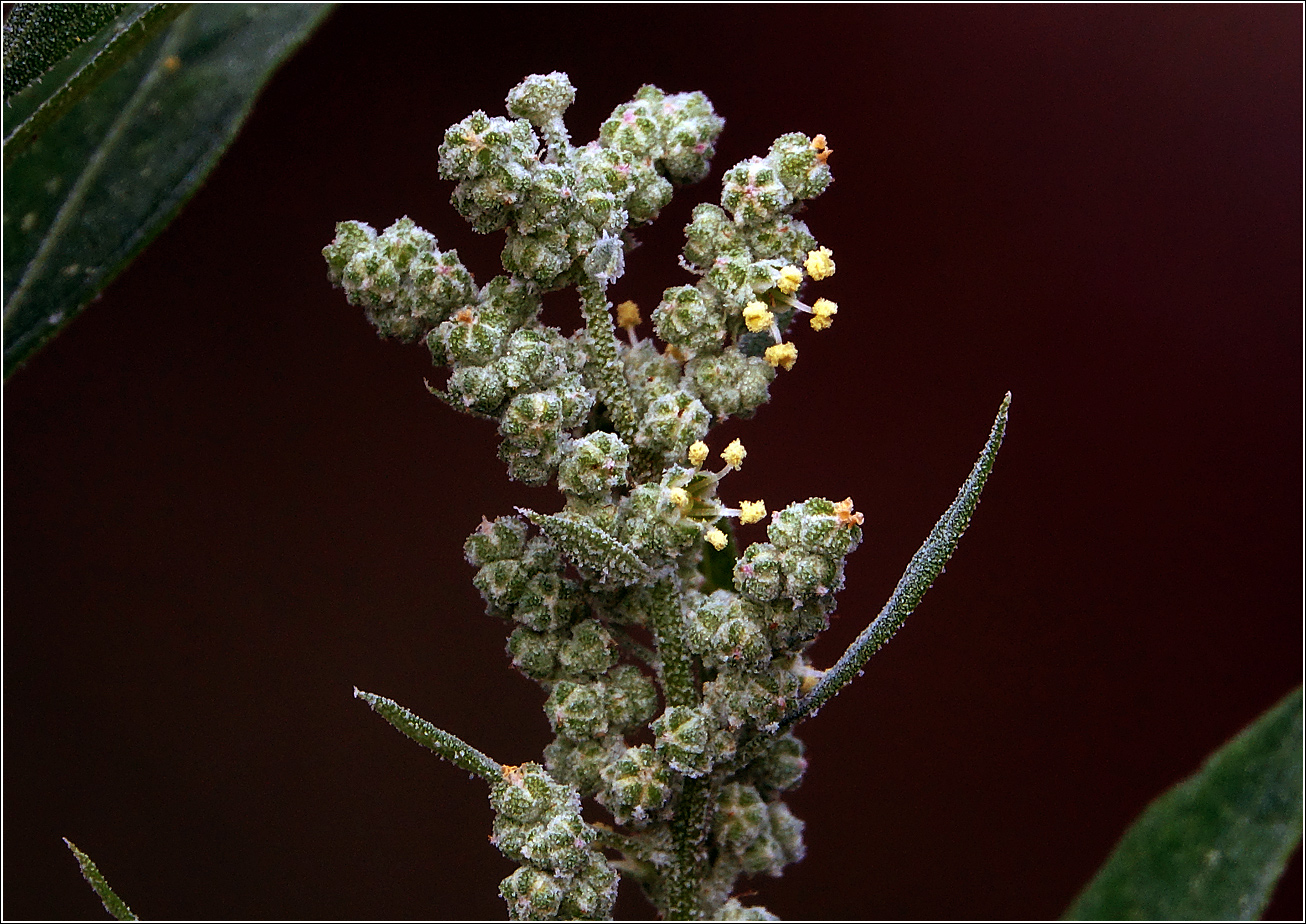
226, 502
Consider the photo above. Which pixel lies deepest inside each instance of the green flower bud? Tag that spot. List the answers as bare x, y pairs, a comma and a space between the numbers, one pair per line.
495, 540
533, 420
653, 525
816, 525
533, 653
481, 389
709, 233
636, 786
532, 895
740, 817
780, 845
730, 383
636, 126
801, 167
682, 737
542, 257
492, 160
473, 336
595, 464
728, 274
688, 320
606, 261
548, 602
578, 710
589, 650
807, 574
732, 910
631, 698
724, 628
541, 97
757, 572
737, 697
533, 358
649, 373
670, 424
527, 795
501, 583
783, 238
592, 892
781, 767
690, 130
581, 763
751, 191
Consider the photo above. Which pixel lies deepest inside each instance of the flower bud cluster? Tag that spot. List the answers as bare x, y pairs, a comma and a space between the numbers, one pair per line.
613, 592
537, 822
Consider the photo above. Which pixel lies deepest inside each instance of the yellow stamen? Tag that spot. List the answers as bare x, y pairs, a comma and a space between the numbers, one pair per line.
628, 314
819, 263
823, 150
783, 355
679, 497
822, 312
757, 317
843, 512
751, 511
734, 455
717, 538
791, 277
698, 454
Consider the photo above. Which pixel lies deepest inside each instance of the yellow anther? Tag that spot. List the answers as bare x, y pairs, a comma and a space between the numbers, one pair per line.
734, 455
823, 150
843, 512
679, 496
783, 355
698, 453
751, 511
791, 277
819, 263
628, 314
717, 538
757, 316
822, 312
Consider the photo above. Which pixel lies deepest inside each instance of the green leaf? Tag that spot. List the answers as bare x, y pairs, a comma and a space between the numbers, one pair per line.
88, 59
924, 567
718, 567
40, 35
452, 748
83, 195
91, 873
1213, 846
588, 546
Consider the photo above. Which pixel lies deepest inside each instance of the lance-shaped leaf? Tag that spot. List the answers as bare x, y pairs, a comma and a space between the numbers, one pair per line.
37, 36
924, 567
85, 193
588, 546
452, 748
1212, 847
91, 873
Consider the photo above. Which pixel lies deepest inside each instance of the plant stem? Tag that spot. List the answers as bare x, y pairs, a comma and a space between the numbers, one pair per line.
609, 375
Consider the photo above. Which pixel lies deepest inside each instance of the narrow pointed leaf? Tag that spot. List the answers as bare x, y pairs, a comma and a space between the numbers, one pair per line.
85, 194
1212, 847
452, 748
590, 547
38, 36
921, 572
91, 873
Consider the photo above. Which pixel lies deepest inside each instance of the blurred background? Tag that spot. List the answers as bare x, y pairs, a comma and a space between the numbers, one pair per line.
226, 502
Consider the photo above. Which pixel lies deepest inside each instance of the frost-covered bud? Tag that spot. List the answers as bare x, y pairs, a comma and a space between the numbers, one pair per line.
533, 653
738, 697
531, 894
817, 525
671, 423
649, 193
533, 357
653, 524
541, 97
783, 238
529, 465
732, 910
560, 844
527, 795
780, 844
474, 336
581, 763
543, 257
578, 710
740, 817
690, 130
501, 583
591, 893
781, 767
492, 159
607, 259
802, 167
636, 126
728, 274
729, 383
636, 786
751, 191
550, 201
595, 464
533, 420
548, 602
709, 232
682, 737
724, 628
513, 300
688, 320
808, 574
495, 540
588, 650
795, 623
757, 572
650, 374
631, 697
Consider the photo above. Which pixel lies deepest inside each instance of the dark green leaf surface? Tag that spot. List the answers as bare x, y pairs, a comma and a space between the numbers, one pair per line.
40, 35
98, 182
1213, 846
91, 873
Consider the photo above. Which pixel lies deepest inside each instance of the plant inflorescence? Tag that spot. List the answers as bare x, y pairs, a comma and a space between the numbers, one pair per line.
674, 666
